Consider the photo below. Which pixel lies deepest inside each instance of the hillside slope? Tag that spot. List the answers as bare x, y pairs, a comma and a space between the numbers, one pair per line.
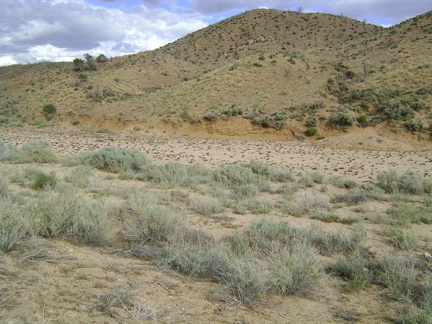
263, 71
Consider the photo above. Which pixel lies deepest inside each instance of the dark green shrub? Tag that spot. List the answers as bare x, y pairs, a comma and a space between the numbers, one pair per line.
42, 180
49, 111
363, 121
414, 125
311, 131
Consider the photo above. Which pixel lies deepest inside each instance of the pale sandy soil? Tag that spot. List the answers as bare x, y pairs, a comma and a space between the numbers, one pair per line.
360, 156
69, 283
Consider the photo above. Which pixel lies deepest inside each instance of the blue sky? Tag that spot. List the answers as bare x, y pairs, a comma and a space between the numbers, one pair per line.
60, 30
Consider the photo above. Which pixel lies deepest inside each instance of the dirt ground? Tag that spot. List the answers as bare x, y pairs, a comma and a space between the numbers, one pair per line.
70, 283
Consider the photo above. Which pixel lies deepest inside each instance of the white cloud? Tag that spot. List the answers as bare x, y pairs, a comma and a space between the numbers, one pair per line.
58, 30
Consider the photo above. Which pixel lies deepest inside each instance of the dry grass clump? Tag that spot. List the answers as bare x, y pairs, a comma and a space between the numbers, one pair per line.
206, 205
304, 202
72, 215
155, 225
13, 225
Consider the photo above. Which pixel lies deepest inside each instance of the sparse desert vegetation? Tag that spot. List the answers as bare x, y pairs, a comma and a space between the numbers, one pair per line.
235, 232
274, 167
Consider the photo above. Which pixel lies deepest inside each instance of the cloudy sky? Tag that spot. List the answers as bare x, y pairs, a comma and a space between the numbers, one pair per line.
61, 30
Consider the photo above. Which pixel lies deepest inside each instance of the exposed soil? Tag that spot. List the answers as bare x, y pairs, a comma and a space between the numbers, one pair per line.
70, 283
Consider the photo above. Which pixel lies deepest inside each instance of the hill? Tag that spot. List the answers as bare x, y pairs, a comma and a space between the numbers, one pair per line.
261, 72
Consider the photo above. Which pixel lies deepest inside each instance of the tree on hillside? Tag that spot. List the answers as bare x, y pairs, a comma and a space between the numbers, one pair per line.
101, 58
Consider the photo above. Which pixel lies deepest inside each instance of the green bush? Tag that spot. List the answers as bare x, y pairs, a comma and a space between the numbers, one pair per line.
414, 125
363, 121
49, 111
311, 131
41, 180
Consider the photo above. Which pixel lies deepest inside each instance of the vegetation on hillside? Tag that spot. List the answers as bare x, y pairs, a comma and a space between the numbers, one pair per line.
275, 68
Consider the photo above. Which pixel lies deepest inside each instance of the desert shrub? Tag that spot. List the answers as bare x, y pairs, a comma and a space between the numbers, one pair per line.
388, 181
246, 278
352, 197
114, 160
311, 121
89, 223
6, 150
4, 187
41, 180
12, 225
306, 201
341, 119
155, 225
193, 259
413, 316
171, 173
414, 125
397, 111
280, 173
262, 234
259, 206
247, 190
68, 214
79, 176
341, 182
206, 205
257, 167
317, 177
311, 131
295, 269
399, 275
49, 111
235, 175
404, 239
404, 213
411, 182
210, 116
33, 152
337, 242
363, 121
138, 200
355, 268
